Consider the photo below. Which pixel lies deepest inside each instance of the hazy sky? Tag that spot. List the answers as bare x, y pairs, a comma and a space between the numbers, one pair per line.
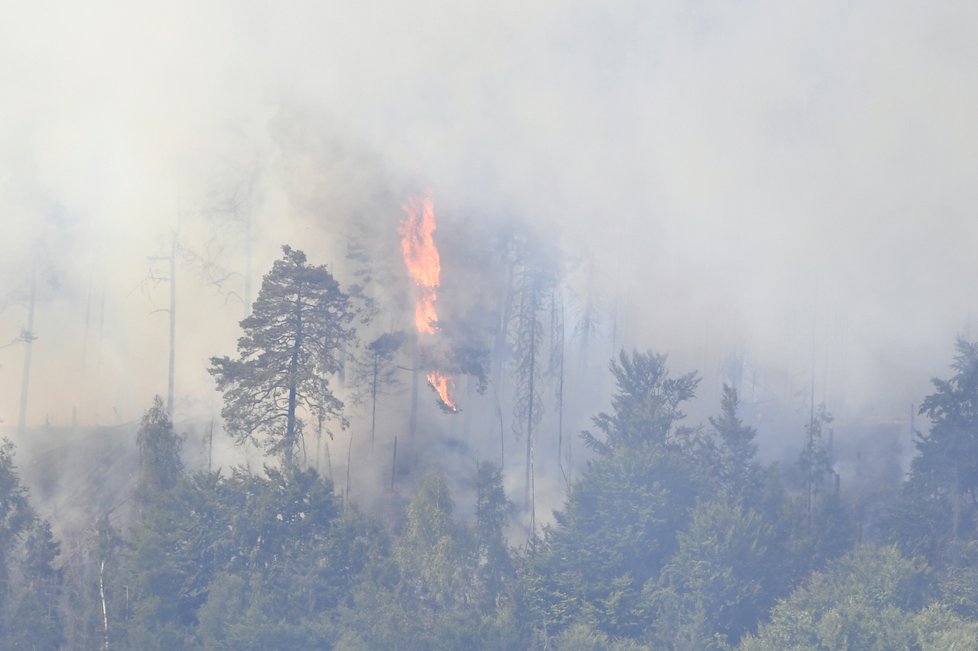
793, 181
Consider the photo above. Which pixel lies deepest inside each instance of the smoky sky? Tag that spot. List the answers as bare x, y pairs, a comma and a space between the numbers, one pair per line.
793, 182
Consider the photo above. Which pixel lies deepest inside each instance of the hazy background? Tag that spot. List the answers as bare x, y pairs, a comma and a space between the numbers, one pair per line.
792, 183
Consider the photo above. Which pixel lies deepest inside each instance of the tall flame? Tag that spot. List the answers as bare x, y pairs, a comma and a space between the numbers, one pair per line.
424, 265
421, 258
439, 383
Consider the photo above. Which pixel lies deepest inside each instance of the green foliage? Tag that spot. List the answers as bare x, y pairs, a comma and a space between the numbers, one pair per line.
674, 537
739, 475
938, 628
620, 523
938, 505
292, 343
273, 534
646, 405
30, 582
862, 601
16, 514
492, 511
722, 579
615, 533
438, 588
581, 637
160, 465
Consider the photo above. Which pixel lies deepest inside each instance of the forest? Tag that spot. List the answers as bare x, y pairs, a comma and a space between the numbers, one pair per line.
672, 534
515, 326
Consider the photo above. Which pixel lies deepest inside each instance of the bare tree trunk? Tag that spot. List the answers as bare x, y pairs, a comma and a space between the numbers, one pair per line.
394, 464
173, 327
373, 401
956, 503
28, 337
557, 332
247, 275
413, 418
502, 434
105, 612
349, 460
293, 371
530, 492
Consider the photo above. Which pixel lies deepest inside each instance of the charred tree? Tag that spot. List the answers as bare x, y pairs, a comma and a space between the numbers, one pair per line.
556, 372
376, 373
529, 364
28, 338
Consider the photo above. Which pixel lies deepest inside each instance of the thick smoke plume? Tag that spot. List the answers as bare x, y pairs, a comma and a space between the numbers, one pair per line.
778, 195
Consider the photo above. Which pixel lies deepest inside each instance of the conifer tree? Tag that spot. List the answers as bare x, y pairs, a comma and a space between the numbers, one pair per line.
292, 344
159, 453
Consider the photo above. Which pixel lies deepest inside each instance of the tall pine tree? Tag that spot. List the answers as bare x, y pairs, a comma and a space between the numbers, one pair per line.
292, 345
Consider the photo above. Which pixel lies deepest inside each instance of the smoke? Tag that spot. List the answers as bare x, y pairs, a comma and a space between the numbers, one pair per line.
791, 184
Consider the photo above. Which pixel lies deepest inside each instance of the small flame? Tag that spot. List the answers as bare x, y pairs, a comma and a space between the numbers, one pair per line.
439, 383
421, 258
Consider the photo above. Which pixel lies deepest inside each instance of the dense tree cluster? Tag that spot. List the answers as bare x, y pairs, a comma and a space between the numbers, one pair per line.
675, 536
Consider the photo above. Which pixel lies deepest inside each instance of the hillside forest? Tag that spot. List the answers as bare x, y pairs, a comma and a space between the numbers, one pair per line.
666, 533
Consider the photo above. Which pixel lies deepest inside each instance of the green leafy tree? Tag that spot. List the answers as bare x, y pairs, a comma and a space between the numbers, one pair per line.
36, 622
428, 592
292, 343
176, 549
16, 514
159, 453
864, 600
581, 637
722, 579
239, 561
30, 581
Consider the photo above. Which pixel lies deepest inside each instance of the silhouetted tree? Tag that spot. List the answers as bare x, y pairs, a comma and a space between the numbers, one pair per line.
293, 341
376, 373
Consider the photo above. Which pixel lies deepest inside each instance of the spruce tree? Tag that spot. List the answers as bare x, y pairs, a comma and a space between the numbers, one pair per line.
159, 453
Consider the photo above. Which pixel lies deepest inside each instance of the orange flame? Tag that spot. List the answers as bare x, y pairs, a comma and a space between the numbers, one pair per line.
439, 383
421, 258
424, 265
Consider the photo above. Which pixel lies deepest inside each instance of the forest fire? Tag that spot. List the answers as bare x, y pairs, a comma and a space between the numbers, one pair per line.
439, 383
421, 258
423, 263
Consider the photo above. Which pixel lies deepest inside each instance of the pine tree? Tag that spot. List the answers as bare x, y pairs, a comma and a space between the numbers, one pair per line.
292, 344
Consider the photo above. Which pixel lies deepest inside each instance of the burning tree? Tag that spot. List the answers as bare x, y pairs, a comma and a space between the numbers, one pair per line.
292, 344
424, 265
